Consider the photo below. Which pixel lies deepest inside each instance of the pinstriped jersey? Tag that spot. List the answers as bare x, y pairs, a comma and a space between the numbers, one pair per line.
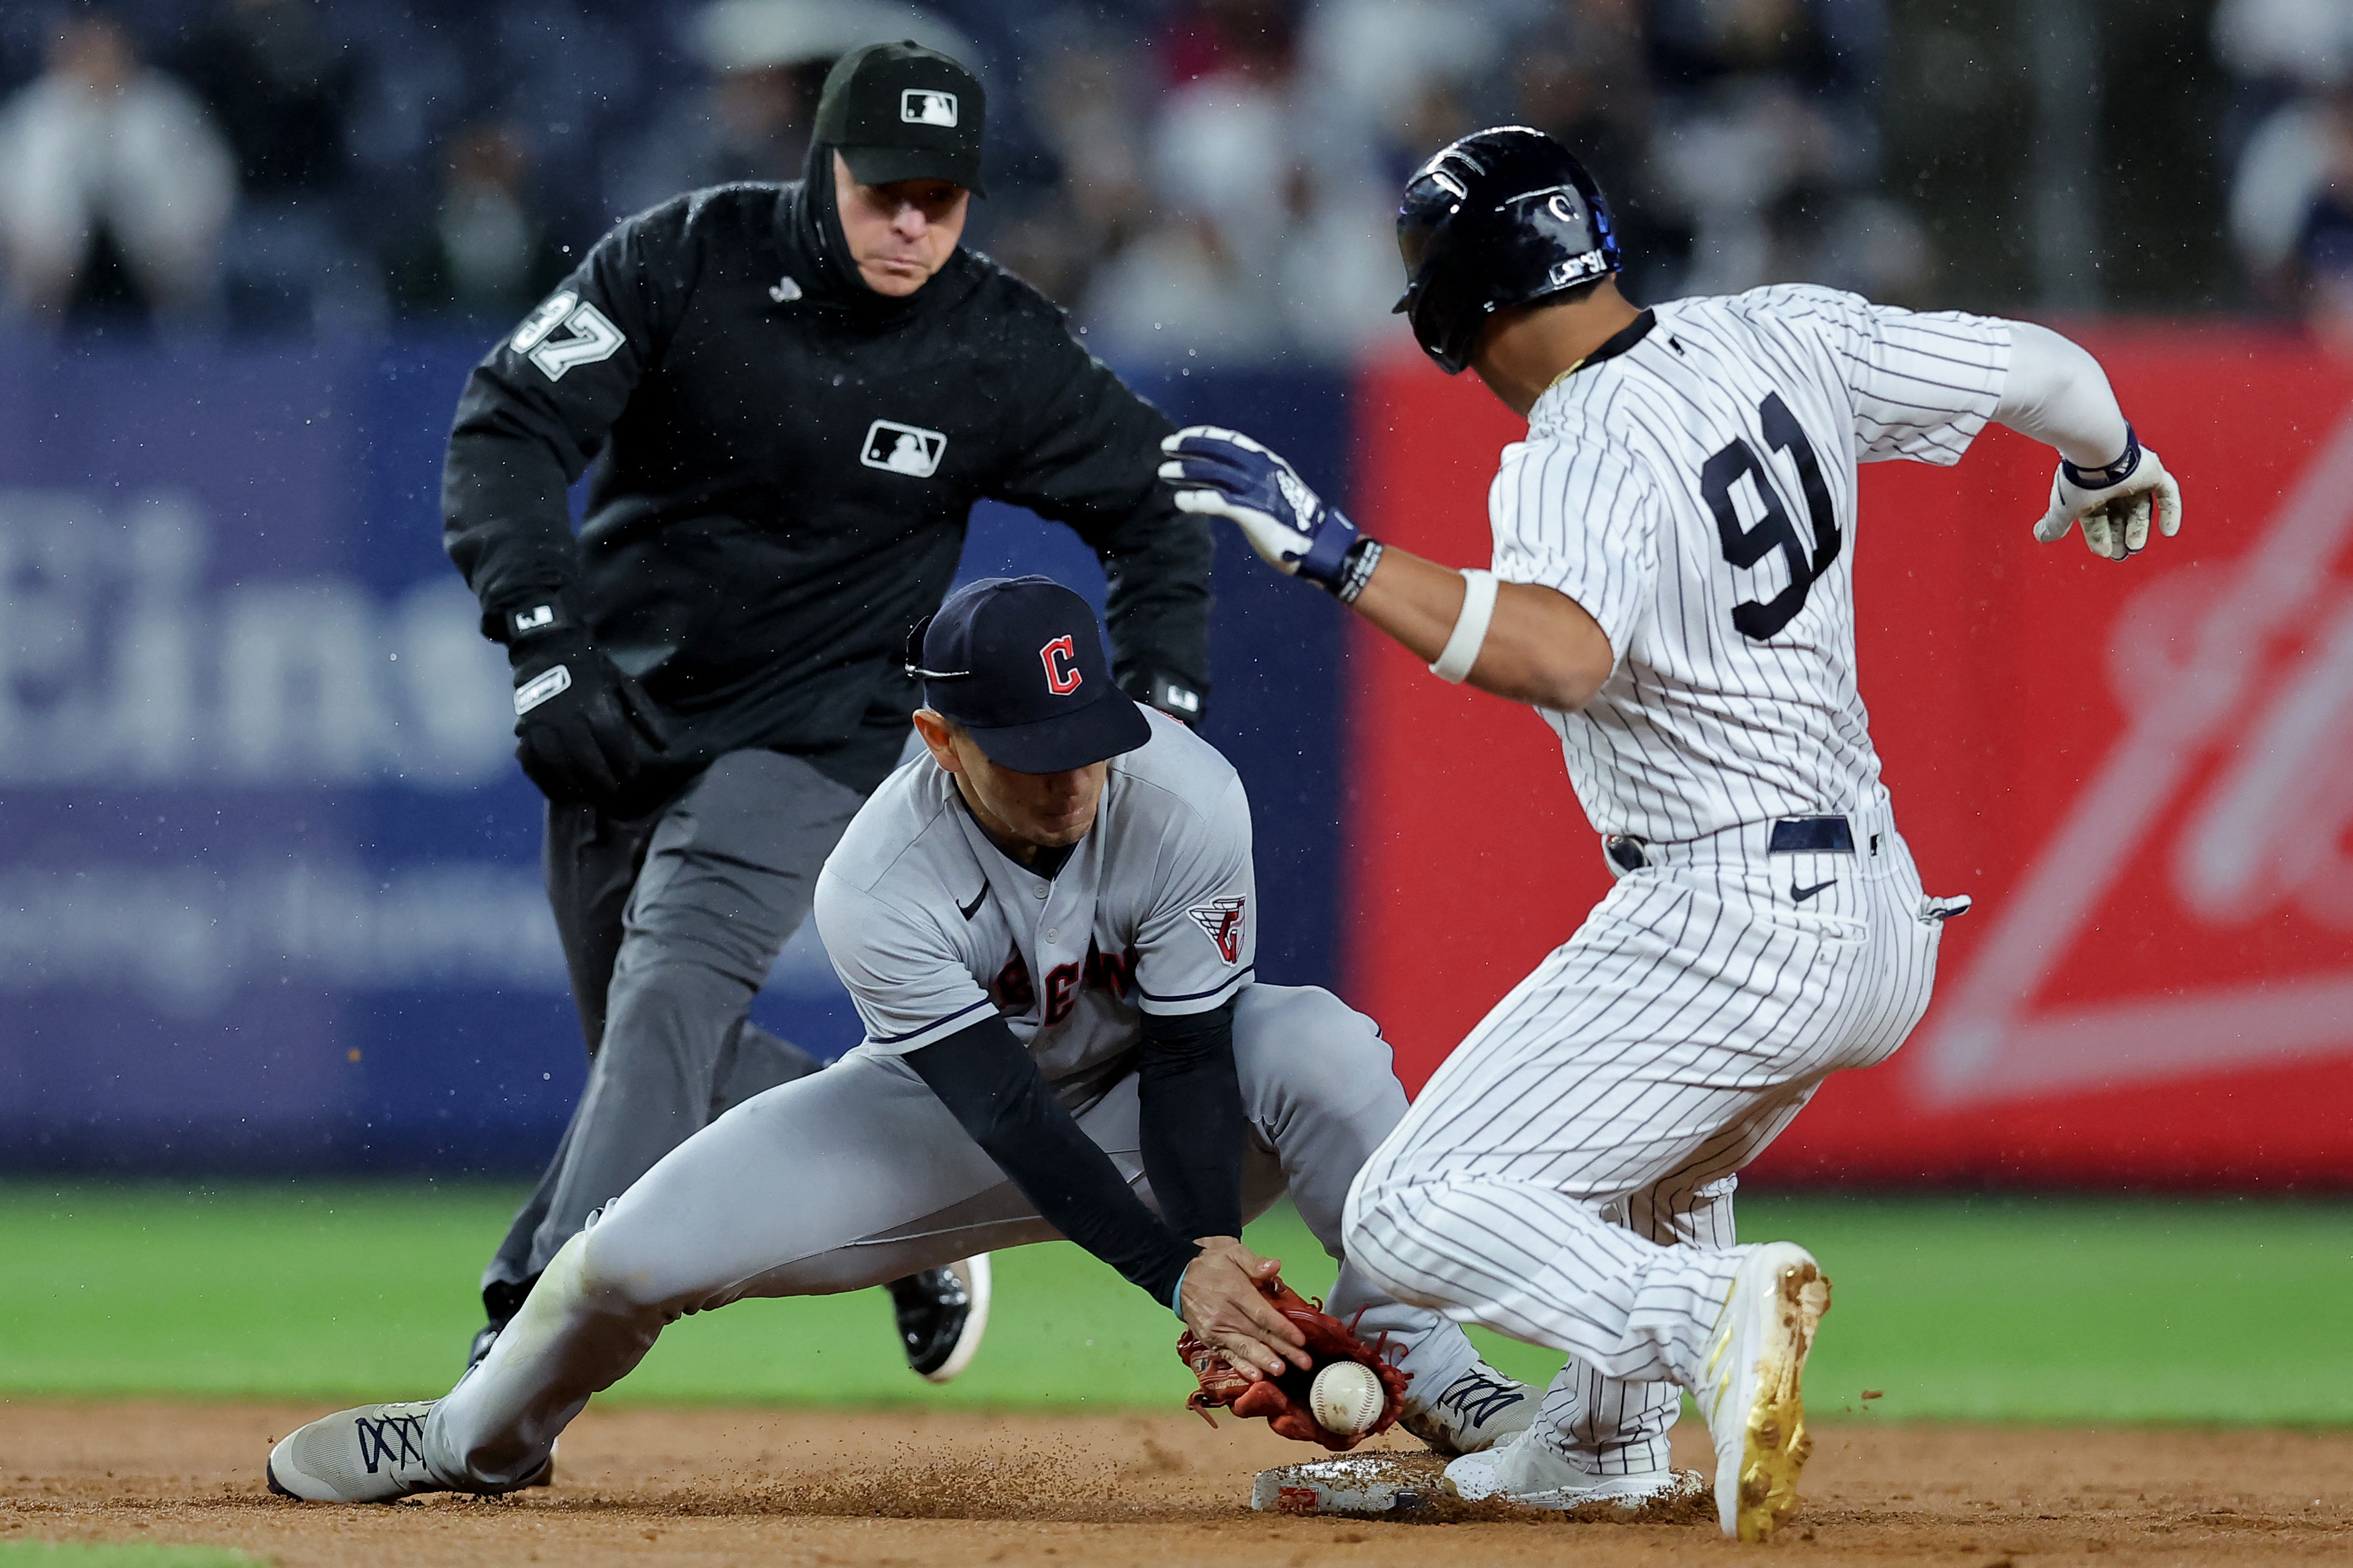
933, 928
1692, 488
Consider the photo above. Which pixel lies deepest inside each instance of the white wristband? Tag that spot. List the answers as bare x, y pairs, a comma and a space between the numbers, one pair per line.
1461, 650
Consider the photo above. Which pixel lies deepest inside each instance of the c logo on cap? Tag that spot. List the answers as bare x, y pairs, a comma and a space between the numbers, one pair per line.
1060, 658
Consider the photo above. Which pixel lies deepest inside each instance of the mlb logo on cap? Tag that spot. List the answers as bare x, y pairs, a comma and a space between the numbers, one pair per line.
901, 111
920, 106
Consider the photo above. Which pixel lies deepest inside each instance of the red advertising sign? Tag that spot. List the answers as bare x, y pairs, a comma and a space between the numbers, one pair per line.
2142, 773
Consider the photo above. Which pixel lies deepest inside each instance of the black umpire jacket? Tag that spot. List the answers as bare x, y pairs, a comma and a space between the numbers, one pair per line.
789, 462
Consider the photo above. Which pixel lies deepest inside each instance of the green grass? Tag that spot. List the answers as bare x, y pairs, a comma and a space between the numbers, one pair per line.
119, 1554
2079, 1308
2049, 1309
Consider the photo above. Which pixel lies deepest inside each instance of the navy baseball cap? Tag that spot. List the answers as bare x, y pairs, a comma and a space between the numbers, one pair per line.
1018, 663
901, 111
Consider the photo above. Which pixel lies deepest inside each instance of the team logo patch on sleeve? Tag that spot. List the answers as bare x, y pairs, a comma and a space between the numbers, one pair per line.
1221, 920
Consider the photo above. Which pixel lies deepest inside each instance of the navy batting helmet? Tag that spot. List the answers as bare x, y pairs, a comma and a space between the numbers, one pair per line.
1503, 218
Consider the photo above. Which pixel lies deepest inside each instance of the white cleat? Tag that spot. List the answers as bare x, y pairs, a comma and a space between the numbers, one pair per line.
1476, 1412
1749, 1386
1531, 1474
373, 1454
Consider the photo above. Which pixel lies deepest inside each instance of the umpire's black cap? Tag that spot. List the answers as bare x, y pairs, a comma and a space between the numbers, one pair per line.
1018, 663
901, 111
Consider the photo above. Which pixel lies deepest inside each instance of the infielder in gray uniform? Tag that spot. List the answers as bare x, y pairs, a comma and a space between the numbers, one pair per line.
1049, 926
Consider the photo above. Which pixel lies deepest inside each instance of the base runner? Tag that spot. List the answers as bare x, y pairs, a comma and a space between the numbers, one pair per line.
1048, 927
1673, 590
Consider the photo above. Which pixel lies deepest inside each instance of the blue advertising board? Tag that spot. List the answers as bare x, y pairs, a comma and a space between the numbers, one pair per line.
269, 894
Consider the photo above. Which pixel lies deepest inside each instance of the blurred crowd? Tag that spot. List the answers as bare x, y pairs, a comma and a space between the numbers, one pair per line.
2290, 145
1227, 179
1190, 177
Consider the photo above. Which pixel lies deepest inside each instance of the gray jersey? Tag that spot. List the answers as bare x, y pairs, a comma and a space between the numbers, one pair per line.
933, 928
1696, 494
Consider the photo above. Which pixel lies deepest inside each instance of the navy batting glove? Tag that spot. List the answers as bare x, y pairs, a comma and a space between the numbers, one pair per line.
1223, 473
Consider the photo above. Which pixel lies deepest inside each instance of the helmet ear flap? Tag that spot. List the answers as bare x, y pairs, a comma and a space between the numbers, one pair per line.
1441, 299
1447, 331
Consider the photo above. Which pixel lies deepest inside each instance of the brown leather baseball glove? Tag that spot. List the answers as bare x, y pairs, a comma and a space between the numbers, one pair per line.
1282, 1400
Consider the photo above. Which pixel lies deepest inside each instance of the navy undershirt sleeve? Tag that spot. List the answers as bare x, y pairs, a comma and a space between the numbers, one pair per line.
1192, 1121
996, 1093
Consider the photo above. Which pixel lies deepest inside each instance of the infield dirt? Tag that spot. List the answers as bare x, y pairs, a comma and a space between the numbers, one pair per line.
736, 1486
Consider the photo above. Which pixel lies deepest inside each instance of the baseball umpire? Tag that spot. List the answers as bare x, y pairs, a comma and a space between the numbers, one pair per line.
1049, 925
1672, 591
797, 393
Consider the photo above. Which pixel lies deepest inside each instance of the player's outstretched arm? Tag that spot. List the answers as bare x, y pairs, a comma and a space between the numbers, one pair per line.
1539, 646
1520, 641
2108, 484
988, 1082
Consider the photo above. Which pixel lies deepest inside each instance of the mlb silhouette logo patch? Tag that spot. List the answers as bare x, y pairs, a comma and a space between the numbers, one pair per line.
1220, 921
904, 448
922, 106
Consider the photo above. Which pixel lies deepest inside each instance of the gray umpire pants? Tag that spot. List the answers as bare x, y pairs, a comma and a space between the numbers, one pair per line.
670, 922
859, 1174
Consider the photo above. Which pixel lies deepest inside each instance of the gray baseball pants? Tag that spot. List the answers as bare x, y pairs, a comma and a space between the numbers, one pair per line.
670, 922
859, 1174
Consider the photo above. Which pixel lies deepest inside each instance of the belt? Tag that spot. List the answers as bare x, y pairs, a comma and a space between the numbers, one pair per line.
1817, 835
1790, 836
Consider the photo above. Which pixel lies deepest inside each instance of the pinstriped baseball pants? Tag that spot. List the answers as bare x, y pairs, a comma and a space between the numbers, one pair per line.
1567, 1178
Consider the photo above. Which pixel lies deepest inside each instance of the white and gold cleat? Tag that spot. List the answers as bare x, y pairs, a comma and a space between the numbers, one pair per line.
1749, 1386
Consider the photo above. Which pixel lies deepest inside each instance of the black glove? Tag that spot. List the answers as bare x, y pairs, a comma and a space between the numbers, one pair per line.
582, 730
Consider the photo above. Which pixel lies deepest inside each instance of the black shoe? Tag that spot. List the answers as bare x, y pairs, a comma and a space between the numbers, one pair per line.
943, 1312
502, 1299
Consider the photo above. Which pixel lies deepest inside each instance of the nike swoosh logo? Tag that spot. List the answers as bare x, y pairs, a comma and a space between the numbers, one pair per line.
972, 908
1797, 895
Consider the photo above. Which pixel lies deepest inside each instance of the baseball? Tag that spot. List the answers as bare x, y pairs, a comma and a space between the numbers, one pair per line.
1346, 1397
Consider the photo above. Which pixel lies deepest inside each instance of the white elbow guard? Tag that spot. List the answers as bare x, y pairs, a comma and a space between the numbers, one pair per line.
1461, 650
2058, 394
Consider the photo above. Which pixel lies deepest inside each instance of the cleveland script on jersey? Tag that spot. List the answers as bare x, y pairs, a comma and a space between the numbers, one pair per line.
1692, 488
